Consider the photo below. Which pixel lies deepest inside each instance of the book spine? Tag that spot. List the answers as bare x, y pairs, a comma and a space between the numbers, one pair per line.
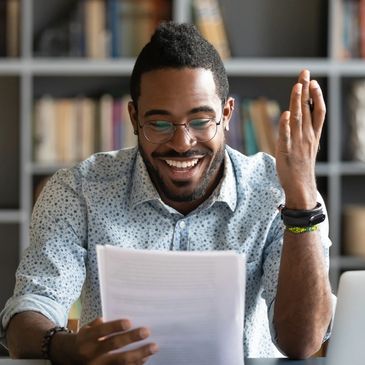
12, 28
210, 23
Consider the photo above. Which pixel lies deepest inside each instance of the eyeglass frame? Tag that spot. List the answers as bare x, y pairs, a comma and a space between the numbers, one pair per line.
186, 125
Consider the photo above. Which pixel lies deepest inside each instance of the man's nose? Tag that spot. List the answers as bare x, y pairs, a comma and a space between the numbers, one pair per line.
181, 140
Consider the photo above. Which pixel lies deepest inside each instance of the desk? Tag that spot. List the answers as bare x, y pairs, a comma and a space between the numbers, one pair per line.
316, 361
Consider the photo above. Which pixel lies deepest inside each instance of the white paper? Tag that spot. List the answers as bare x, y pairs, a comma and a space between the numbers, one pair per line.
192, 302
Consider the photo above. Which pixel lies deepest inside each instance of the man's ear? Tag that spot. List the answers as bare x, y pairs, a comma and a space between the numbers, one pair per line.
228, 108
133, 115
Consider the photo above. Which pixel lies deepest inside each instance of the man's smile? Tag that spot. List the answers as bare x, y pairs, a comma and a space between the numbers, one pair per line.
182, 168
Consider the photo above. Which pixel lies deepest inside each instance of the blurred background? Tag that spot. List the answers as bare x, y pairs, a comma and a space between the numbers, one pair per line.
64, 74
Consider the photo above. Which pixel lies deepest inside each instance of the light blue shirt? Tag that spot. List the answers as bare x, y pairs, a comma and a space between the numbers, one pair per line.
110, 199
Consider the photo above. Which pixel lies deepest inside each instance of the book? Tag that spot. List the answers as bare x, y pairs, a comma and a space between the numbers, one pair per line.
105, 119
85, 109
66, 125
3, 28
354, 230
137, 23
250, 141
95, 29
356, 102
45, 133
12, 28
262, 124
76, 30
117, 124
362, 27
113, 25
209, 21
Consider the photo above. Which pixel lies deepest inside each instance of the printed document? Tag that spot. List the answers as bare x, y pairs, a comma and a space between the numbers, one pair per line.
192, 302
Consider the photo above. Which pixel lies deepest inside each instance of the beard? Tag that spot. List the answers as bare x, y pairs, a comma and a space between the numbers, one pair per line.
205, 180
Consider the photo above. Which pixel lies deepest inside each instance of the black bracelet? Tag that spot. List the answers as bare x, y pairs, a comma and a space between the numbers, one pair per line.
47, 338
302, 218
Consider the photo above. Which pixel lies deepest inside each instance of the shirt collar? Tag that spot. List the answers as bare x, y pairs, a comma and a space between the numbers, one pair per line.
143, 189
226, 191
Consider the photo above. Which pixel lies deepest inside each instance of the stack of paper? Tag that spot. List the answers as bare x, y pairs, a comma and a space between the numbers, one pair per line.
192, 302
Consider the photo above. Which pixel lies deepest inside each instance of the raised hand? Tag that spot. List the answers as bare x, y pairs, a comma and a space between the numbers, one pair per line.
299, 134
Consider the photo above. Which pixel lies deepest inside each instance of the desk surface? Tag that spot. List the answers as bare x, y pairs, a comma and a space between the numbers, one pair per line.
316, 361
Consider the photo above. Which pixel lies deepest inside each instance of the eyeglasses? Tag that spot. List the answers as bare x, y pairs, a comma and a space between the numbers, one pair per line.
162, 131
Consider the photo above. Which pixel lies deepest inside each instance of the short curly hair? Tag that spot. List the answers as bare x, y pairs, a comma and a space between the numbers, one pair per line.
175, 45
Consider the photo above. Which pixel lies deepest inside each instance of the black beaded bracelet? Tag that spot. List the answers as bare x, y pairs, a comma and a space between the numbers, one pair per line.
47, 338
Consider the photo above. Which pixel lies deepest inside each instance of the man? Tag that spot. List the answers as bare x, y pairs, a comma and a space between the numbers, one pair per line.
181, 189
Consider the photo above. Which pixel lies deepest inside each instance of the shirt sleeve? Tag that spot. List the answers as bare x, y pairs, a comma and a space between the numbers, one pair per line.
271, 266
51, 273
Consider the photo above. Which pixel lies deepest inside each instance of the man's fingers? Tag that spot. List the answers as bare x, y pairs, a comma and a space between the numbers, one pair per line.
319, 110
296, 111
99, 329
284, 133
304, 79
121, 340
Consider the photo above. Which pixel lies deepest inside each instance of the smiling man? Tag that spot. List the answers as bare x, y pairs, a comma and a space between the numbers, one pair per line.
182, 188
181, 134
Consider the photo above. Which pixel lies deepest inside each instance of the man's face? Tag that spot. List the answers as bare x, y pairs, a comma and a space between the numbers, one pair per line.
183, 170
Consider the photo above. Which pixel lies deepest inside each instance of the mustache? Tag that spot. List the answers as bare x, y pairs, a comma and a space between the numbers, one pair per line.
187, 154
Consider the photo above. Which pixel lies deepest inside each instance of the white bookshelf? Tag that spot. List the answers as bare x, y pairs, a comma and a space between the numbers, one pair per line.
332, 172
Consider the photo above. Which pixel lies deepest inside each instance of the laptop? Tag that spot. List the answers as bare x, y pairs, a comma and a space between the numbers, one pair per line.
347, 343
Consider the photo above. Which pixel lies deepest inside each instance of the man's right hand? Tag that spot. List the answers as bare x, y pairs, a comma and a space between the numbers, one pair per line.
96, 343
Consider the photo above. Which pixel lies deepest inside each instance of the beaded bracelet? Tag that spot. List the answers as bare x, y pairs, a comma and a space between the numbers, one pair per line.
298, 230
47, 338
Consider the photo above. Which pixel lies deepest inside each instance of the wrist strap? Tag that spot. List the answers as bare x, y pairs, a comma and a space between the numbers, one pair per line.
298, 230
302, 218
47, 338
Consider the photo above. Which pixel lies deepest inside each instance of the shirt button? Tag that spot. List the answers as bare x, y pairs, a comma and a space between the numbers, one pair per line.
182, 224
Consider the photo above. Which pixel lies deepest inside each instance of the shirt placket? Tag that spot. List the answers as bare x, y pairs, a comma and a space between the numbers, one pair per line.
180, 239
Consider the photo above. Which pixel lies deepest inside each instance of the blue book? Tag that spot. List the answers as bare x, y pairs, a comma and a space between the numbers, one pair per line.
112, 22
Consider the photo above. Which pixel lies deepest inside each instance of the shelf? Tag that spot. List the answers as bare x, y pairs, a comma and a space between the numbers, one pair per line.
11, 216
348, 262
235, 67
352, 168
46, 169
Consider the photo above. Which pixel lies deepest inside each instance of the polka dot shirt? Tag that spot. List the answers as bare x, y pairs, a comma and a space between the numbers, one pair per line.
110, 199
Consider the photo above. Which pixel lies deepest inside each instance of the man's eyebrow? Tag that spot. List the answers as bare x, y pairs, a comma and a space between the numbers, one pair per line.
199, 109
203, 108
151, 112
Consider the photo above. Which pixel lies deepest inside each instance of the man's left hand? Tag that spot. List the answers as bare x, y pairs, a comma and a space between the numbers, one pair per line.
299, 134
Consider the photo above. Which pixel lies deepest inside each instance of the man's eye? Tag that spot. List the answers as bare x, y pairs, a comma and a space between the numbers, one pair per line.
199, 123
160, 125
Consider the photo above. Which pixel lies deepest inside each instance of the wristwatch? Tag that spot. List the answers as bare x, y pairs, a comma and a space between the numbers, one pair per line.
302, 218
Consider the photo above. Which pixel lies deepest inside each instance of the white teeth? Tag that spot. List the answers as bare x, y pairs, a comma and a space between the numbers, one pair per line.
182, 164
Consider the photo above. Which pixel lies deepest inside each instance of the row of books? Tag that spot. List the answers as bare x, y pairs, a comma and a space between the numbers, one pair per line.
103, 29
71, 129
9, 28
254, 125
350, 42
